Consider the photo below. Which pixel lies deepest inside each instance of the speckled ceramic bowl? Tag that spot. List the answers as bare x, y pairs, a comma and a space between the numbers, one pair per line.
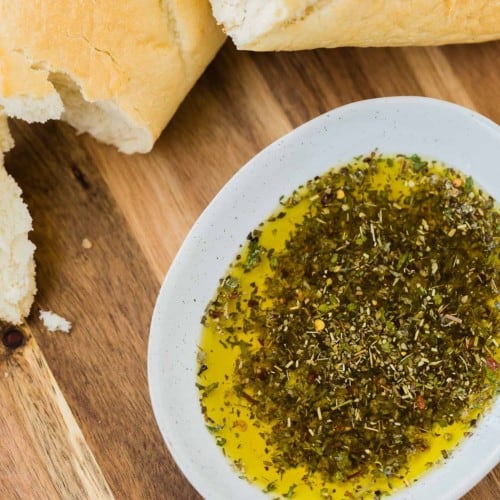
431, 128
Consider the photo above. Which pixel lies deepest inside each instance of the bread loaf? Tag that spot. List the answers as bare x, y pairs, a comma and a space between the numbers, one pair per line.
17, 267
115, 69
307, 24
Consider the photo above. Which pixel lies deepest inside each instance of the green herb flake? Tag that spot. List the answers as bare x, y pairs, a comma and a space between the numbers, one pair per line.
220, 440
418, 164
361, 339
253, 257
291, 491
207, 390
270, 487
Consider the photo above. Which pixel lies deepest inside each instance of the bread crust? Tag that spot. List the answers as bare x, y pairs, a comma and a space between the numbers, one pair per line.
303, 24
133, 60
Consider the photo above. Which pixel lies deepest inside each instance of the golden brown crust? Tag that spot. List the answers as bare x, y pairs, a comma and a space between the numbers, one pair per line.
134, 56
335, 23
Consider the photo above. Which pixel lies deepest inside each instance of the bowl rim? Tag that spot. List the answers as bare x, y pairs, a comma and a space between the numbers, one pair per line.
463, 483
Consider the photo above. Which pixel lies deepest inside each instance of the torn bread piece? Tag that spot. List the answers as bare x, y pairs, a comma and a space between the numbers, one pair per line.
17, 265
117, 70
307, 24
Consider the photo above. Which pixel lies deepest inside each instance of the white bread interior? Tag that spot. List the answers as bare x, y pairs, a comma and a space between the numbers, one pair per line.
117, 70
307, 24
17, 265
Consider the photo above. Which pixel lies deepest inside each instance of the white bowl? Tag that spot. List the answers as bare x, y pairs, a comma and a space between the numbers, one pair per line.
428, 127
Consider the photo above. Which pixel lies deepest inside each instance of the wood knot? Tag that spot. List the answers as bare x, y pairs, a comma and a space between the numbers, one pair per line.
13, 337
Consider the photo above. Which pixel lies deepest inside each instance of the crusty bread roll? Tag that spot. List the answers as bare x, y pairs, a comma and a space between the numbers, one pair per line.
17, 267
115, 69
307, 24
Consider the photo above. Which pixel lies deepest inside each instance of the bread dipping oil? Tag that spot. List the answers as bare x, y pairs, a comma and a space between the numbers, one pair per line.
354, 340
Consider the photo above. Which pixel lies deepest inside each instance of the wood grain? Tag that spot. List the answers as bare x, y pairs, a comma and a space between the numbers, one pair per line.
136, 210
101, 366
46, 454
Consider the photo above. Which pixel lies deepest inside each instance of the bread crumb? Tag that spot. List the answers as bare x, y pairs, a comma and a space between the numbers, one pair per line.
86, 243
6, 374
55, 323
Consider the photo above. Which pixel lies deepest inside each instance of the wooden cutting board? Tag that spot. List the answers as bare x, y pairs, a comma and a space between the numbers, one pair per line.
75, 415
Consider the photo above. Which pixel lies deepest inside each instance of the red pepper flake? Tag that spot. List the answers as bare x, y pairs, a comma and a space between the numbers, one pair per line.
420, 403
240, 424
311, 377
326, 198
253, 303
492, 363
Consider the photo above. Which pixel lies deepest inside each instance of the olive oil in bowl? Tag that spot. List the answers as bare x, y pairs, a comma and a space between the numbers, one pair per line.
354, 340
